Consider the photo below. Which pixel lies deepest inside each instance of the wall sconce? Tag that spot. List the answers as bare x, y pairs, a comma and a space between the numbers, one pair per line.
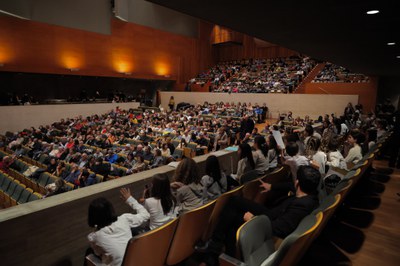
74, 69
127, 73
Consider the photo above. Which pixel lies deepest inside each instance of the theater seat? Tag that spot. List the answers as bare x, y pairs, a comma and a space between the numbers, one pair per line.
255, 241
151, 248
248, 176
190, 229
289, 252
219, 205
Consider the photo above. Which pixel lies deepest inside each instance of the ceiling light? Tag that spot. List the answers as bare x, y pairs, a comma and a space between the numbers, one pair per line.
391, 43
372, 12
398, 57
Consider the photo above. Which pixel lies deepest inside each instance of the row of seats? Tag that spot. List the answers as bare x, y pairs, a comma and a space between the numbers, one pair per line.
12, 192
29, 185
174, 242
254, 237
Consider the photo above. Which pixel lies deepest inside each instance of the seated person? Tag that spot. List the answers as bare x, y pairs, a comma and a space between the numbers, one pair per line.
158, 159
86, 179
55, 188
187, 187
284, 217
161, 204
293, 158
355, 138
112, 232
214, 182
73, 175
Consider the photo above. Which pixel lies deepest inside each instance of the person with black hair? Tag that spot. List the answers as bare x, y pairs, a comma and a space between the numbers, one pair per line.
215, 181
355, 138
273, 153
260, 154
335, 158
111, 232
246, 161
293, 158
187, 186
284, 217
161, 204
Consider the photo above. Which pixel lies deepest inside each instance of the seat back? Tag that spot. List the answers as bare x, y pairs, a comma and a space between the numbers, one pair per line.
252, 189
18, 191
328, 206
254, 240
190, 229
6, 183
248, 176
178, 153
343, 188
219, 205
295, 245
25, 196
281, 175
43, 179
35, 196
11, 187
151, 248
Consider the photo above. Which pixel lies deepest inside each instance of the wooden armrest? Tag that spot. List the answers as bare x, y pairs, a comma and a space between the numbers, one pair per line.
226, 260
92, 260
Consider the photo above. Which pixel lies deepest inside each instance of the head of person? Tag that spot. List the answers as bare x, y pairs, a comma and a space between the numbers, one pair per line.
261, 144
212, 167
187, 172
292, 149
161, 190
244, 151
355, 137
59, 183
308, 180
313, 144
140, 159
157, 152
309, 130
101, 213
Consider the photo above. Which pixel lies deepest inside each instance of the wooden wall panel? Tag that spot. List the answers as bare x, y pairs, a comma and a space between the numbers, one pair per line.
367, 92
249, 49
28, 46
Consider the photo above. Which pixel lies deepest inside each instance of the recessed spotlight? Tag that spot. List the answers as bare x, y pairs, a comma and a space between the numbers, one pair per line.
372, 12
398, 57
391, 43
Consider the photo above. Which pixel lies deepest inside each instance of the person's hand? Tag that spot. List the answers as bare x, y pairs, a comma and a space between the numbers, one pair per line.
266, 186
176, 185
125, 193
248, 216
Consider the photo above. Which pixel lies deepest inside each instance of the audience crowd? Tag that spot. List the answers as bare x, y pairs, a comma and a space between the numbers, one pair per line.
335, 73
257, 75
313, 150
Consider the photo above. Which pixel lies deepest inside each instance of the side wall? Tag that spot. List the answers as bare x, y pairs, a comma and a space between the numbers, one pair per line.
54, 231
367, 92
250, 49
299, 104
143, 52
16, 118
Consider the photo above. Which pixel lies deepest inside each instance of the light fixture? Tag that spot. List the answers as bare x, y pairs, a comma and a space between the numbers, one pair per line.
398, 57
128, 73
74, 69
391, 43
372, 12
1, 64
